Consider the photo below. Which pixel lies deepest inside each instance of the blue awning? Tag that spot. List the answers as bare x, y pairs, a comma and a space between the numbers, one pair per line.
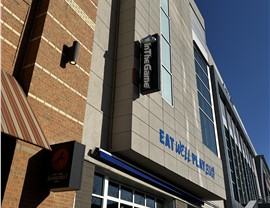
136, 172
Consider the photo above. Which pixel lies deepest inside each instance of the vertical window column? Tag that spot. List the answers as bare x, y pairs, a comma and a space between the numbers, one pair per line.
166, 51
205, 102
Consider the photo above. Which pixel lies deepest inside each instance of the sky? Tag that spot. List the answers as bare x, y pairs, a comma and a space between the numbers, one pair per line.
238, 37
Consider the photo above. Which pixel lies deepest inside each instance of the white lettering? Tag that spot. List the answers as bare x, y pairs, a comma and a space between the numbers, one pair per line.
147, 67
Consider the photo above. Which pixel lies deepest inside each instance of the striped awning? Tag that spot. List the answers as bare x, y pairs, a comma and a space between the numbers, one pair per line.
17, 117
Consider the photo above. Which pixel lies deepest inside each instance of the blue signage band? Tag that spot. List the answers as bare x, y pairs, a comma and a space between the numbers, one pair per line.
138, 173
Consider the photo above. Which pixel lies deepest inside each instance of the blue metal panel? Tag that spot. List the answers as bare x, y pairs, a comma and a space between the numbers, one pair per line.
136, 172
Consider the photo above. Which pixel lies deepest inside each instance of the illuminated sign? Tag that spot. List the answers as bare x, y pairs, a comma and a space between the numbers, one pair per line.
182, 150
150, 64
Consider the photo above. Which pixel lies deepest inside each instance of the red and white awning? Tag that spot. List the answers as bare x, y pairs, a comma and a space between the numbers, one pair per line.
17, 117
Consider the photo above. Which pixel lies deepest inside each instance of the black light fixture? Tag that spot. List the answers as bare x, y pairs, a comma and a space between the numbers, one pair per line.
70, 54
148, 39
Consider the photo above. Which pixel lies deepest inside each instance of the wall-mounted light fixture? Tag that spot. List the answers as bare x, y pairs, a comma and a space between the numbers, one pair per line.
70, 54
148, 39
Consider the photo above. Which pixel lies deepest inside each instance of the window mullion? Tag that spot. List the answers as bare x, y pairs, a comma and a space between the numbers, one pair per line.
105, 192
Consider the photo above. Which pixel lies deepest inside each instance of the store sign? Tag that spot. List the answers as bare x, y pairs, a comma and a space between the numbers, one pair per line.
182, 150
65, 168
150, 65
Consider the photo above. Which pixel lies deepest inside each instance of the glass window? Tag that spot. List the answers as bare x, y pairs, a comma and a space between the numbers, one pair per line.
208, 132
125, 206
165, 6
112, 204
113, 189
150, 201
201, 61
166, 85
205, 106
139, 198
165, 51
166, 54
120, 196
96, 202
165, 25
159, 203
126, 194
98, 184
201, 74
203, 90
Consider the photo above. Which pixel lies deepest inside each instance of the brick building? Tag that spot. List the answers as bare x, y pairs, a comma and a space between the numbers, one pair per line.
33, 34
151, 124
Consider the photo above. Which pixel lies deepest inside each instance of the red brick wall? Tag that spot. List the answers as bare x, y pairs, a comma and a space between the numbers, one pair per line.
56, 95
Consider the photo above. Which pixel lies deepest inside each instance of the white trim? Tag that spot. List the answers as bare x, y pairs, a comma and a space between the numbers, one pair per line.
200, 45
105, 197
214, 115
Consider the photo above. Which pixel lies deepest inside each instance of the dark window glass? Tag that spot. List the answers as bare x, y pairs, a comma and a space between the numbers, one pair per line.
96, 202
204, 97
205, 106
113, 189
139, 198
203, 90
150, 201
159, 203
201, 74
126, 194
208, 132
98, 184
201, 60
125, 206
112, 204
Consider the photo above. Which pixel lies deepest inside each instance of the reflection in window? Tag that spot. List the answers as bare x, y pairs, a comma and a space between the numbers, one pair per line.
126, 194
208, 132
120, 196
203, 90
167, 83
98, 184
96, 202
113, 189
165, 25
139, 198
205, 104
112, 204
125, 206
166, 51
165, 6
150, 201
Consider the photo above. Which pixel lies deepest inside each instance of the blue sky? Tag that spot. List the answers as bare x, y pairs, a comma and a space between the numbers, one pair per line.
238, 33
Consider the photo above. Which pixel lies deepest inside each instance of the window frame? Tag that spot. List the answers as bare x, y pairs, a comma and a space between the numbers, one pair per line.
164, 68
207, 142
105, 196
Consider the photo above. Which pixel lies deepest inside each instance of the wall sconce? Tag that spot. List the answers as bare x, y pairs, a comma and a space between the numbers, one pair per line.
70, 54
148, 39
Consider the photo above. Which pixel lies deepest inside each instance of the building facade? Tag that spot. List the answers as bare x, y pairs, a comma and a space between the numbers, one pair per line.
263, 177
156, 121
33, 35
237, 152
150, 150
